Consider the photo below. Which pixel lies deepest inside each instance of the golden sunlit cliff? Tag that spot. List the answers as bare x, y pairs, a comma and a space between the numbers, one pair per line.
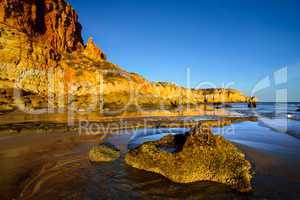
43, 56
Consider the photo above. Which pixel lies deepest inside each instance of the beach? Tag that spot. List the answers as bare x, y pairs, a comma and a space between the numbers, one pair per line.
149, 100
56, 165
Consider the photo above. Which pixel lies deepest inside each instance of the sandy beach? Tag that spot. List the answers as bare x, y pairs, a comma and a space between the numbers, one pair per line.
173, 100
56, 166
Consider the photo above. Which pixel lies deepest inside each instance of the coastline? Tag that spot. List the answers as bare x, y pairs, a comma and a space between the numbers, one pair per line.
74, 125
27, 123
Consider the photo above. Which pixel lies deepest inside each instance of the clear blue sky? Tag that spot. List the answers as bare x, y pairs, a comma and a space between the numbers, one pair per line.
219, 41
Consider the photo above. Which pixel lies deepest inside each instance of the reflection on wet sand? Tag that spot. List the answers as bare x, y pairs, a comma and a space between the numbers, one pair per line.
56, 165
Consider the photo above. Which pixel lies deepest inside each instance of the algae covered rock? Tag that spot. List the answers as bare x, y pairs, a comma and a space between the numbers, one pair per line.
104, 153
196, 156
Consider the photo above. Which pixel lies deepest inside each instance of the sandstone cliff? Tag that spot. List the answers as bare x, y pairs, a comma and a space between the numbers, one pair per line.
52, 22
43, 55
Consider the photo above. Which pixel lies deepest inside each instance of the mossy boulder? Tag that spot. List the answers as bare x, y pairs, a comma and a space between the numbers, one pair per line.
196, 156
104, 153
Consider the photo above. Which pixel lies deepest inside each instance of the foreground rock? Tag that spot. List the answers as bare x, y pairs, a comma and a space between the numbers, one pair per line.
195, 156
104, 153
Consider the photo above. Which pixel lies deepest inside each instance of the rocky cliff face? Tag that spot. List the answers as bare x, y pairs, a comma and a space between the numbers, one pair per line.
52, 22
42, 54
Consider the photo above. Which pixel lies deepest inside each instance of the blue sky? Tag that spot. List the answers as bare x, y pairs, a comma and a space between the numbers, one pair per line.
220, 41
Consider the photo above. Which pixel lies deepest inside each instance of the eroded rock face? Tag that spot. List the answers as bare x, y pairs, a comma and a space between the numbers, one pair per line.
198, 156
53, 22
104, 153
42, 52
92, 51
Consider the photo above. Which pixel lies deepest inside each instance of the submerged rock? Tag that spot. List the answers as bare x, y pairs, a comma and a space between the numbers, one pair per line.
198, 156
104, 153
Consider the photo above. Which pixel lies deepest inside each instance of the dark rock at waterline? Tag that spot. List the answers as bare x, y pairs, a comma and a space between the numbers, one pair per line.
252, 105
252, 102
104, 153
228, 106
196, 156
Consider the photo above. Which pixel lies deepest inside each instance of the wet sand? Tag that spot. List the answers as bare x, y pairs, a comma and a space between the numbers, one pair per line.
56, 166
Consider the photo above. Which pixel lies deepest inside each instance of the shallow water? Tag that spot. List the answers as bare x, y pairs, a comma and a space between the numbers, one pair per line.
271, 109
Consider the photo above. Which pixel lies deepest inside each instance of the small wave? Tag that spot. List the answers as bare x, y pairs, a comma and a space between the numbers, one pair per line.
293, 116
